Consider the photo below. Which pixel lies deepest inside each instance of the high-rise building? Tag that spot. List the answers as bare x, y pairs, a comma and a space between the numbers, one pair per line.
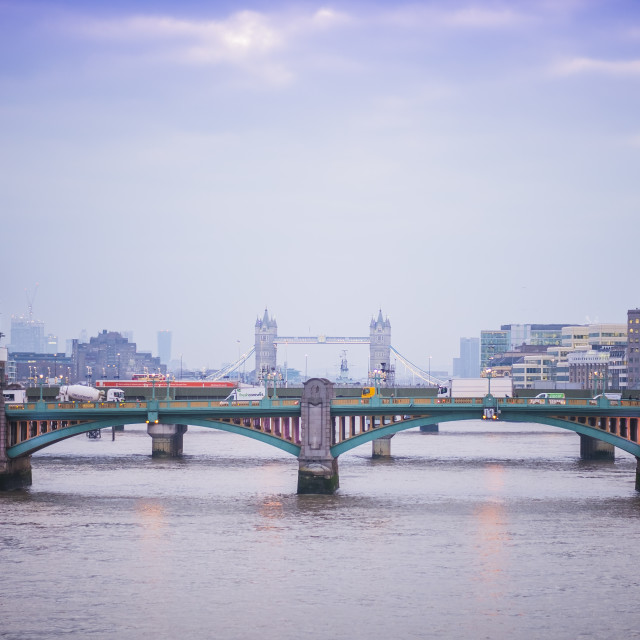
468, 364
164, 346
633, 349
26, 335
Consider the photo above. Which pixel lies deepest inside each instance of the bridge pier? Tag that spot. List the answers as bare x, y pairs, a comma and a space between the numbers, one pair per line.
317, 468
637, 474
15, 474
166, 439
381, 447
594, 449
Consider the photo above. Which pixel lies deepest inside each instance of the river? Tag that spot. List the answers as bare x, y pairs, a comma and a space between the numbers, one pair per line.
479, 531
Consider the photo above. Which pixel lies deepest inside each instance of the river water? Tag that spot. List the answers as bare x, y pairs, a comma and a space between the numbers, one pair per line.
479, 531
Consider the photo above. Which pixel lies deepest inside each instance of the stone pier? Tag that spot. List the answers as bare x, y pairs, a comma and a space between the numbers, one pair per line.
381, 447
318, 469
166, 439
594, 449
16, 473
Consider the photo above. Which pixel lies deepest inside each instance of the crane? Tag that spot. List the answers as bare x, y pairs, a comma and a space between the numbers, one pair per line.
30, 300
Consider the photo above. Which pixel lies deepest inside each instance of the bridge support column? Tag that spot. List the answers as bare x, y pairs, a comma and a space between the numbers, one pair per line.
381, 447
637, 474
318, 469
15, 474
166, 439
594, 449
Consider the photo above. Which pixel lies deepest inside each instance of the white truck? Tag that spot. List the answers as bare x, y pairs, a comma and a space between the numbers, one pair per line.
80, 393
476, 388
15, 396
243, 394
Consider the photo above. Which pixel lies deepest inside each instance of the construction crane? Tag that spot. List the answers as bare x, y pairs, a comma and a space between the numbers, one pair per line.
30, 300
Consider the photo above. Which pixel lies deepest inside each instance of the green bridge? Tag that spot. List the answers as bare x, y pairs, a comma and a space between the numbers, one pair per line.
316, 428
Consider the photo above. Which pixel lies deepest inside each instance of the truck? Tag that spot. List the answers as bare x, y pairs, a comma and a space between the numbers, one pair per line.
14, 396
81, 393
476, 388
243, 394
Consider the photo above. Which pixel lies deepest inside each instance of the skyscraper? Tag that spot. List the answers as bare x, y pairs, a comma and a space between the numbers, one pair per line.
164, 346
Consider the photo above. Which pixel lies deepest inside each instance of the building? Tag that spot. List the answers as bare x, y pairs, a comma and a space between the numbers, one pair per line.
575, 337
468, 364
534, 371
110, 356
266, 332
607, 335
32, 369
493, 343
380, 348
164, 346
589, 369
27, 335
633, 349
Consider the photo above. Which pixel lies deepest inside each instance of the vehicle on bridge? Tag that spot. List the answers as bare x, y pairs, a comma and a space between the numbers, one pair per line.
549, 398
80, 393
14, 396
242, 395
476, 388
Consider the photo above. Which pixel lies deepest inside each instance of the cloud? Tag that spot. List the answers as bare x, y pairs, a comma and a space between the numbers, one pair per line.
472, 17
575, 66
247, 39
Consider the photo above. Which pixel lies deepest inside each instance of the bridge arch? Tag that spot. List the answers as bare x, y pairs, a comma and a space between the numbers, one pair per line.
392, 428
52, 437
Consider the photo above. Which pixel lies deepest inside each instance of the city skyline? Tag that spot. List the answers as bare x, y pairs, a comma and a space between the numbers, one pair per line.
459, 165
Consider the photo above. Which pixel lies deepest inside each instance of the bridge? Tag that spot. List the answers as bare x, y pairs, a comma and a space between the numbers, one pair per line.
317, 428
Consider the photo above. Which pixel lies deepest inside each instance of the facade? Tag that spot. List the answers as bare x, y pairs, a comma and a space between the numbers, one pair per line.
380, 348
164, 346
589, 369
633, 349
32, 369
575, 337
607, 335
534, 371
493, 343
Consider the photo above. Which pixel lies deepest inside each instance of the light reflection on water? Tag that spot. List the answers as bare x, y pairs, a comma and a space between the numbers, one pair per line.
474, 532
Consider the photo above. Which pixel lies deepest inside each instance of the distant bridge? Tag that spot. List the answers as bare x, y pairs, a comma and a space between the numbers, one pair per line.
317, 428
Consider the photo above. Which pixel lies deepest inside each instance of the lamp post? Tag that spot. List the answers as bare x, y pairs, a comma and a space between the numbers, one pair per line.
306, 362
489, 377
430, 370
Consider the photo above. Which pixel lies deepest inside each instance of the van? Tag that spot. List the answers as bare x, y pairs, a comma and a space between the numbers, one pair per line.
548, 398
608, 396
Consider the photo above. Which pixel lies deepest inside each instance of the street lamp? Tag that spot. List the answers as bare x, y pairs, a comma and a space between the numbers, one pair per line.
489, 377
306, 362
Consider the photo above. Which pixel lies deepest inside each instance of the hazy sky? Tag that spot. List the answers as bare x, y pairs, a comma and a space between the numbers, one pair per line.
182, 165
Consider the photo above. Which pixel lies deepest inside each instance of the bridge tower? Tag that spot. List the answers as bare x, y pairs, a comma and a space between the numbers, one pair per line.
266, 348
380, 348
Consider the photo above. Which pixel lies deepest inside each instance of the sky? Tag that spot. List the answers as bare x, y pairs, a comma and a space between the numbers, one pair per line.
183, 165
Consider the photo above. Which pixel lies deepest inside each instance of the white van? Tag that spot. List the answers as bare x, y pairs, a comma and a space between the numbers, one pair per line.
549, 398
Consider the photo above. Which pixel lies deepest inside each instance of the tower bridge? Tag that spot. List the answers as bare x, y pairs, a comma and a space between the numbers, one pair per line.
316, 428
379, 341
